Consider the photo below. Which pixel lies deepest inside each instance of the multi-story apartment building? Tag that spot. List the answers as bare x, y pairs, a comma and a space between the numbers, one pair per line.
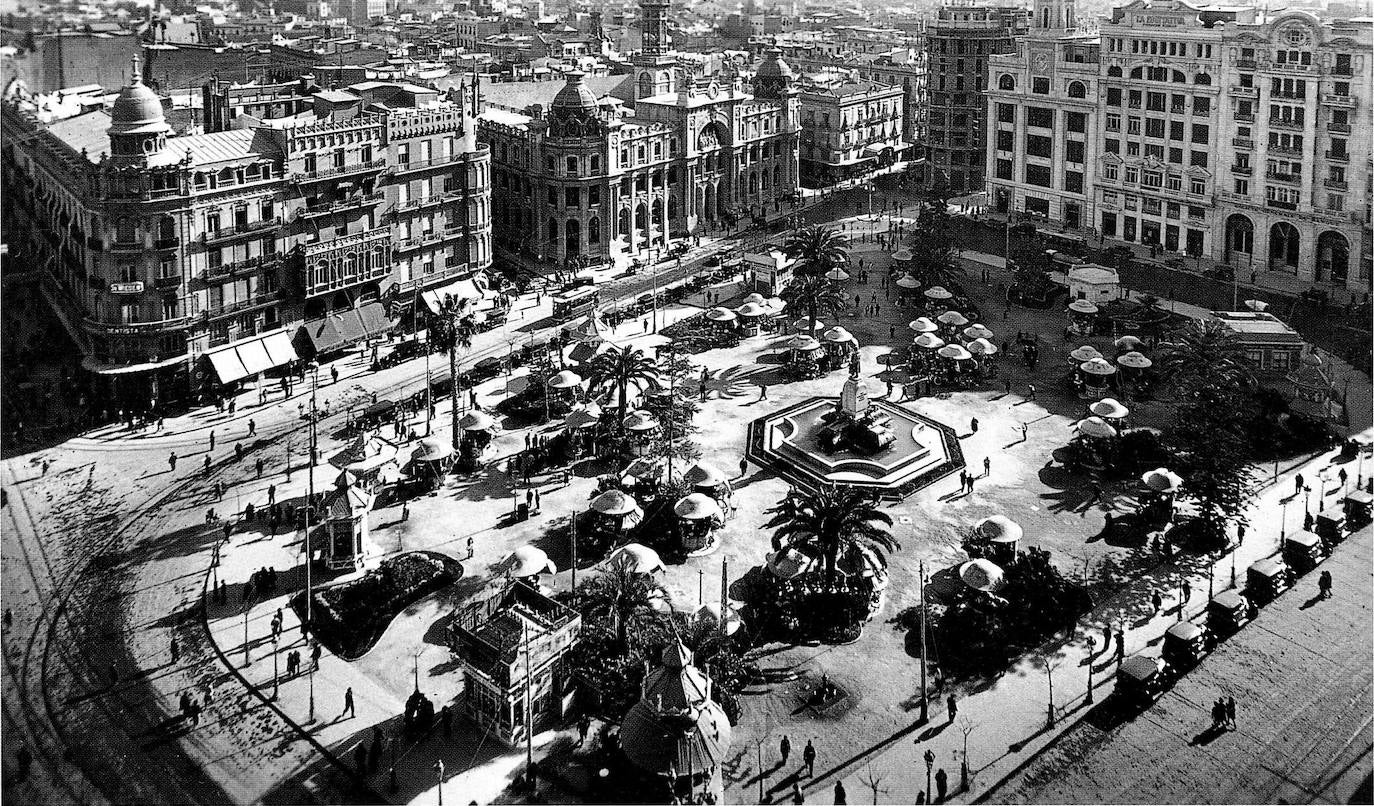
1042, 121
183, 262
585, 179
848, 128
960, 40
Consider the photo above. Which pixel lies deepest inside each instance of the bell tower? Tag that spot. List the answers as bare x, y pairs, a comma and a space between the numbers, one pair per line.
1054, 17
654, 64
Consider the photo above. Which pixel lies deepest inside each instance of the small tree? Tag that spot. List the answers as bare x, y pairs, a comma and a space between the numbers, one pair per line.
817, 248
1050, 663
1210, 438
617, 369
935, 240
966, 727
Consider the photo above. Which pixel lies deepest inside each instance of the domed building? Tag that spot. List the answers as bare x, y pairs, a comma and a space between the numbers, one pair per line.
676, 729
618, 171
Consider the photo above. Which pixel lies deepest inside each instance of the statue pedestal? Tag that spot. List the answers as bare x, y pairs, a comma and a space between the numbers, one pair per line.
853, 397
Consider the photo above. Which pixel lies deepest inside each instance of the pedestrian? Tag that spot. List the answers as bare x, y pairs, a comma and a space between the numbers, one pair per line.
840, 796
763, 391
971, 479
258, 465
334, 373
809, 756
1006, 383
743, 466
1324, 585
1187, 590
987, 466
172, 462
785, 749
1157, 601
9, 618
538, 504
271, 494
797, 796
1030, 391
405, 511
584, 724
1343, 476
212, 440
238, 451
1120, 644
348, 703
315, 655
176, 650
963, 480
1230, 709
941, 784
207, 464
1025, 427
252, 427
973, 425
1297, 484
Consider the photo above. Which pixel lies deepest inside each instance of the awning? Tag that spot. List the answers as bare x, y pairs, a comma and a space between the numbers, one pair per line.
461, 290
874, 150
91, 365
375, 322
251, 356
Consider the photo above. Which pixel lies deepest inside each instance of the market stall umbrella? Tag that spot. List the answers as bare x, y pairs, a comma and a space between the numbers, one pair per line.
1085, 353
838, 334
647, 468
807, 324
1128, 343
929, 341
528, 561
977, 331
702, 474
432, 449
953, 318
697, 507
999, 529
720, 315
1095, 427
938, 292
982, 575
837, 274
640, 421
982, 347
1109, 409
567, 379
581, 418
1082, 306
477, 421
907, 281
590, 329
774, 306
752, 310
789, 563
803, 343
955, 352
1257, 305
903, 255
754, 297
923, 325
614, 502
1134, 360
1162, 480
635, 558
1097, 366
708, 616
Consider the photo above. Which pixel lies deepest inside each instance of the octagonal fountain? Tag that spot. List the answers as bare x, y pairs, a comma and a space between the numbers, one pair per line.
874, 444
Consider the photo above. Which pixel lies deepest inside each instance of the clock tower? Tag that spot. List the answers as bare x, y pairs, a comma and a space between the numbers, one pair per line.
654, 64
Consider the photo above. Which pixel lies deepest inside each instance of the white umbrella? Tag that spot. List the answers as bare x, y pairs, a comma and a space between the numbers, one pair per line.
903, 254
837, 274
697, 507
1134, 360
750, 310
709, 615
1097, 366
789, 563
977, 331
640, 421
432, 449
999, 529
720, 315
614, 502
953, 318
929, 341
774, 305
1128, 343
907, 281
955, 352
477, 421
938, 292
581, 418
566, 379
838, 334
529, 561
802, 342
1257, 305
754, 297
1109, 409
647, 468
1082, 306
923, 325
702, 474
1162, 480
1095, 427
635, 558
1085, 353
805, 324
982, 347
980, 574
591, 329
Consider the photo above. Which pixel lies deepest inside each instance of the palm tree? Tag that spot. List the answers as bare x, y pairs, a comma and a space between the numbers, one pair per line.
452, 328
624, 601
815, 295
818, 248
616, 369
1206, 354
837, 519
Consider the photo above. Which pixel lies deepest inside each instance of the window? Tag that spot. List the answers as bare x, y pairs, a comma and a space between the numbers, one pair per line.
1075, 150
1039, 116
1113, 146
1109, 171
1196, 186
1077, 122
1155, 101
1174, 182
1132, 174
1113, 123
1006, 141
1173, 210
1197, 159
1175, 130
1196, 212
1201, 134
572, 197
1154, 127
1003, 169
1153, 179
1038, 175
1202, 106
1040, 85
1342, 66
1006, 113
1243, 187
572, 166
1176, 156
1039, 146
1335, 202
1077, 89
1338, 147
1073, 181
593, 196
1133, 126
1113, 96
1133, 148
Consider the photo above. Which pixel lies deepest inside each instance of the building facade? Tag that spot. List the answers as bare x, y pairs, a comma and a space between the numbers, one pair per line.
1042, 119
848, 128
184, 262
602, 180
961, 40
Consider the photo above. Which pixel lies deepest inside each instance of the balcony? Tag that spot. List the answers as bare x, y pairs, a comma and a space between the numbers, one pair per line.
430, 239
252, 303
1288, 95
1244, 118
451, 160
1280, 205
1293, 67
239, 266
1178, 109
1286, 178
1247, 64
1286, 123
167, 243
1338, 128
347, 260
1336, 184
338, 171
1288, 151
1343, 101
338, 206
1244, 92
170, 283
1337, 156
429, 201
228, 234
1241, 170
1242, 142
126, 247
1134, 104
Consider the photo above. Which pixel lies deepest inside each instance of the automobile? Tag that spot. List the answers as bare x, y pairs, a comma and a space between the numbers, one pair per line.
1227, 612
1184, 645
1140, 680
1330, 524
1302, 550
486, 368
1359, 509
1265, 580
1220, 273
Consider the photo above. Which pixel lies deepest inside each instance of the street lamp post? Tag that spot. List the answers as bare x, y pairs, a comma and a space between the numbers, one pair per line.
276, 680
305, 541
247, 606
1283, 519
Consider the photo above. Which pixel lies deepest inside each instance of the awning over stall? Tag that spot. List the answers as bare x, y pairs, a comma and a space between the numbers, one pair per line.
251, 356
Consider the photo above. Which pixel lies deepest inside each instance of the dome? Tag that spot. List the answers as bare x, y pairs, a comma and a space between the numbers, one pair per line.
773, 66
575, 94
137, 110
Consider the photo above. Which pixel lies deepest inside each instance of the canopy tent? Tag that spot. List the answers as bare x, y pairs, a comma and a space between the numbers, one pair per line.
999, 529
1095, 427
803, 343
903, 255
1097, 366
929, 341
640, 421
635, 558
1082, 306
977, 331
837, 274
838, 335
923, 325
1109, 409
721, 315
938, 292
752, 310
789, 563
702, 474
567, 379
251, 356
1085, 353
432, 449
954, 352
952, 318
580, 418
697, 507
982, 575
908, 282
1134, 360
477, 421
529, 561
345, 328
463, 291
645, 468
1128, 343
1162, 480
981, 347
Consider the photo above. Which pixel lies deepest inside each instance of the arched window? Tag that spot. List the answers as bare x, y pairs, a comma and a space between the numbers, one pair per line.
572, 166
1202, 78
1177, 77
1113, 72
646, 85
1006, 82
594, 230
1138, 73
1077, 90
624, 222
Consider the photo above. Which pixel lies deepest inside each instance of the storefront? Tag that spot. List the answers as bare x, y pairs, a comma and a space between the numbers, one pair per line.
341, 330
248, 358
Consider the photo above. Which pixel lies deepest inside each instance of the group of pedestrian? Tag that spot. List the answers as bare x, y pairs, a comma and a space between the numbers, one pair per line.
191, 708
263, 580
1224, 713
966, 480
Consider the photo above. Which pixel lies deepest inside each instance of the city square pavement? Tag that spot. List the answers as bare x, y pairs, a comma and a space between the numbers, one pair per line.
254, 750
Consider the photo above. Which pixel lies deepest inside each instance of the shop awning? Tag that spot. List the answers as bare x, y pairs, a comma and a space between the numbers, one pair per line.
251, 356
91, 365
374, 320
339, 330
462, 290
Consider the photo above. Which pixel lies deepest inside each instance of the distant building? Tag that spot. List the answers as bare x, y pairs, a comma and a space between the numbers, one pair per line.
849, 128
58, 61
1270, 344
512, 648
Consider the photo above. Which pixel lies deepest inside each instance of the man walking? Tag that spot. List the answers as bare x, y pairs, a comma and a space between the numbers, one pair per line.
785, 749
1157, 601
1297, 484
172, 462
951, 707
763, 391
1030, 392
809, 756
348, 703
1231, 712
841, 797
973, 425
743, 466
987, 466
212, 440
1324, 585
176, 650
941, 784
